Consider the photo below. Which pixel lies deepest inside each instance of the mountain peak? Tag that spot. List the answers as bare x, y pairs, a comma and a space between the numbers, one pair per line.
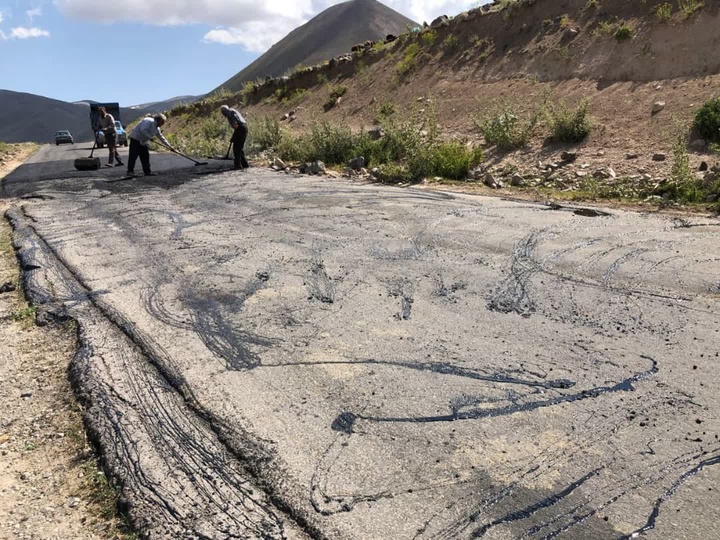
328, 34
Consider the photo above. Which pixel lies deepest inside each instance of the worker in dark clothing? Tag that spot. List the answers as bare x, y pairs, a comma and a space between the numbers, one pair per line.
240, 133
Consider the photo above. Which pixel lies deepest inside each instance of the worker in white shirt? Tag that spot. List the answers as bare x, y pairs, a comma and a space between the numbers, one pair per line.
140, 136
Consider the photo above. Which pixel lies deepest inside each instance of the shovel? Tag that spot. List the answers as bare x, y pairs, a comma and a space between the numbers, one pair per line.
195, 161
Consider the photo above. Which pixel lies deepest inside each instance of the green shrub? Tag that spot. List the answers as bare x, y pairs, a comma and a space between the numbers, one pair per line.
569, 125
394, 173
291, 148
265, 134
409, 61
683, 186
506, 130
336, 92
603, 28
453, 160
386, 110
332, 144
664, 12
450, 42
406, 152
623, 32
707, 121
428, 37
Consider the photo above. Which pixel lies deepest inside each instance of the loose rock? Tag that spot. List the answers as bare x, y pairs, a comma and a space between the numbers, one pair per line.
356, 163
659, 156
658, 106
376, 133
698, 145
568, 156
7, 287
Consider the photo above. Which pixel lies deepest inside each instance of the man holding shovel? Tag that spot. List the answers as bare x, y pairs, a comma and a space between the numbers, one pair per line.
240, 133
140, 136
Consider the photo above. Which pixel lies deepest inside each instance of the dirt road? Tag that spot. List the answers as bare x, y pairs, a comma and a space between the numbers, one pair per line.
272, 356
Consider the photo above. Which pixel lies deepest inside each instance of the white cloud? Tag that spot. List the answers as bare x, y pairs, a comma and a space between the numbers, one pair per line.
33, 13
21, 32
256, 36
252, 24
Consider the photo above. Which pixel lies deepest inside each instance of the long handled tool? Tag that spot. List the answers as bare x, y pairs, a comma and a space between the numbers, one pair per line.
183, 155
225, 157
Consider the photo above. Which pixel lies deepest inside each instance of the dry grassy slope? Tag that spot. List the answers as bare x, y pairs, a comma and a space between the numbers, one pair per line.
531, 58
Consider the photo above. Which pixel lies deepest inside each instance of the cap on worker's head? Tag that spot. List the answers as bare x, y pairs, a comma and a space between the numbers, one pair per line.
224, 108
161, 117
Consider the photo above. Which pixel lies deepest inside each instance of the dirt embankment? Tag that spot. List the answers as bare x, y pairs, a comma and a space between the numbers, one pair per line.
622, 57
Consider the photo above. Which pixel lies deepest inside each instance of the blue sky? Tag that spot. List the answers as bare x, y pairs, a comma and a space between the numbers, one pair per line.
138, 51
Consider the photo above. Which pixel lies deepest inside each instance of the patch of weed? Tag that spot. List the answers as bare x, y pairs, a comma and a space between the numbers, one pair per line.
25, 314
663, 12
624, 32
688, 8
506, 130
707, 121
568, 125
603, 28
428, 38
409, 61
450, 43
336, 92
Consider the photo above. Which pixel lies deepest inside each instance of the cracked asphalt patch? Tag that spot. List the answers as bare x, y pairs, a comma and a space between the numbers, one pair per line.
339, 360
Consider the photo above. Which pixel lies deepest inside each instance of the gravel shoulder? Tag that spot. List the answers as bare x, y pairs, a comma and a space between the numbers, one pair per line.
50, 485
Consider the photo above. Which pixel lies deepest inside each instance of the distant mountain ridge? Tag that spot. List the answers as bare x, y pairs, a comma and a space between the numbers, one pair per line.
30, 118
331, 33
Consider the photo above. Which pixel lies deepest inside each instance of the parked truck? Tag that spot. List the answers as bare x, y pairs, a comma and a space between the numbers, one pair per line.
111, 108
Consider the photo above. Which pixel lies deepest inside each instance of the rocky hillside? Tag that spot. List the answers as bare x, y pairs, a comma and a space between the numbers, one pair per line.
332, 32
641, 70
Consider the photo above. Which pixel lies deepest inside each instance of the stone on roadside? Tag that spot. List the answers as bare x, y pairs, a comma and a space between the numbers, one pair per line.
356, 163
703, 167
278, 164
490, 181
317, 167
631, 155
712, 198
658, 106
568, 156
7, 287
517, 180
699, 145
659, 156
376, 133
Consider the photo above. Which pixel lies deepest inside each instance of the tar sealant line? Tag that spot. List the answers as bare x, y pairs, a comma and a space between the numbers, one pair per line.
346, 420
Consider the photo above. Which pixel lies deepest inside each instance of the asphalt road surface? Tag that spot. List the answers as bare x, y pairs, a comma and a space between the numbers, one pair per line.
267, 355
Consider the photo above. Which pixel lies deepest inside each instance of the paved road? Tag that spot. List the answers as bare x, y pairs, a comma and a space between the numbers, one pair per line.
274, 356
56, 162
